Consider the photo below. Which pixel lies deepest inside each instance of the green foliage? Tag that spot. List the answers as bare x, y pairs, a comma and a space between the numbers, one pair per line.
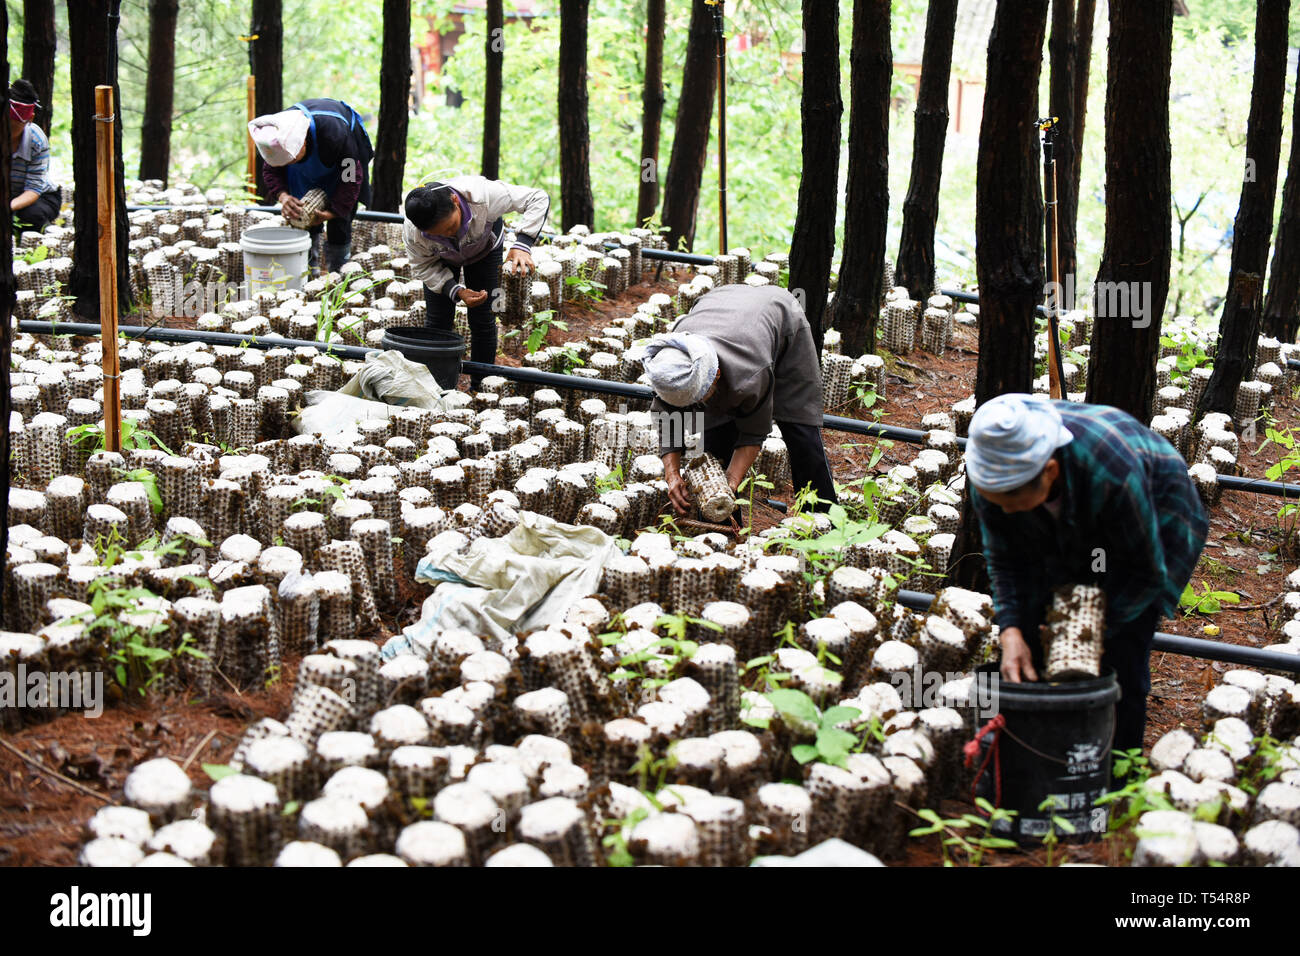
538, 327
31, 256
613, 481
217, 771
1055, 822
830, 742
1190, 356
131, 632
133, 436
1208, 601
585, 287
971, 848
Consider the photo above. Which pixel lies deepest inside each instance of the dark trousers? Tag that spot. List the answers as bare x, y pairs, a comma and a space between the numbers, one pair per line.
1127, 651
808, 464
338, 242
41, 213
440, 311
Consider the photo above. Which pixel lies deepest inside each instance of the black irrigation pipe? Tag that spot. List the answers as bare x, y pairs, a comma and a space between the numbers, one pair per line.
554, 380
1173, 643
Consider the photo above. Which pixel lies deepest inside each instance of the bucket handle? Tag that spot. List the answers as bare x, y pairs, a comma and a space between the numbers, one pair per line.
998, 726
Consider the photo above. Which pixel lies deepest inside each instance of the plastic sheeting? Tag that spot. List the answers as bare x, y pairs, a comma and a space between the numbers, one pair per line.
387, 382
496, 587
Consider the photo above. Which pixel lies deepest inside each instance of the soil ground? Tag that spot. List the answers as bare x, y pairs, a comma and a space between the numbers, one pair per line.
82, 764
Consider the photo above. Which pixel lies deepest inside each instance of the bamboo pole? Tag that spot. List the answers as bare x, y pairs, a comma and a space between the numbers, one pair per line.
251, 110
1055, 366
106, 197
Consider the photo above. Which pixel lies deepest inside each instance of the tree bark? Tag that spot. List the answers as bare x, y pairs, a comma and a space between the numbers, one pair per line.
1282, 307
494, 54
1008, 225
813, 250
1239, 325
266, 63
652, 112
156, 127
8, 289
691, 131
915, 269
1084, 17
394, 111
862, 266
1062, 46
39, 45
1125, 346
576, 202
92, 44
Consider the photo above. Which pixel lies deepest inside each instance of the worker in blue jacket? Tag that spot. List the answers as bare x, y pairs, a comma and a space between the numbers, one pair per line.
317, 144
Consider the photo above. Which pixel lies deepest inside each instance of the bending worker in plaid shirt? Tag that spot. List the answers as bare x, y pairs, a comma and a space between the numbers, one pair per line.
1068, 493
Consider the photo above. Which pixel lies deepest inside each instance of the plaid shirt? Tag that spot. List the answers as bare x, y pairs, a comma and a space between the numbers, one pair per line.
1130, 521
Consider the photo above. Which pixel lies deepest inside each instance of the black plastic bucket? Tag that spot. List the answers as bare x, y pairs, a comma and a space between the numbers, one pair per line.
1056, 743
440, 350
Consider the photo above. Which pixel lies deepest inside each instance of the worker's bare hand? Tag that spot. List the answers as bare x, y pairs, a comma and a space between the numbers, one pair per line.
322, 215
1017, 660
678, 493
472, 298
290, 206
519, 259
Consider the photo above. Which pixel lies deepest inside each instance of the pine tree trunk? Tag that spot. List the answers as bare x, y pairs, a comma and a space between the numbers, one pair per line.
394, 111
91, 46
915, 269
156, 127
494, 51
39, 45
576, 202
1234, 359
1083, 21
266, 63
1008, 226
1062, 46
862, 266
1282, 307
8, 289
1124, 348
652, 112
691, 132
813, 250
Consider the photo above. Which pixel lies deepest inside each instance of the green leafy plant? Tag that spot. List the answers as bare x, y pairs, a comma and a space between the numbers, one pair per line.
613, 481
1190, 356
132, 435
536, 330
33, 255
831, 743
586, 289
1055, 822
1208, 601
333, 307
131, 631
954, 830
750, 486
150, 482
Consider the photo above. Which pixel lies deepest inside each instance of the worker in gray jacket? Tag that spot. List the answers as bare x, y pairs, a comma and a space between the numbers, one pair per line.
454, 235
744, 357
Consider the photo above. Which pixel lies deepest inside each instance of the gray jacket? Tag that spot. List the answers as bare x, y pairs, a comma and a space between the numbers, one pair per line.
435, 262
768, 361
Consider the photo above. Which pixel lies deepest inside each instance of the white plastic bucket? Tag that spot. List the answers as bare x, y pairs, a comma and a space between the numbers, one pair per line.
275, 258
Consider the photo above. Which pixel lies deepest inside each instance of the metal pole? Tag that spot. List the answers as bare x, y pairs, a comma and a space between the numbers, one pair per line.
106, 196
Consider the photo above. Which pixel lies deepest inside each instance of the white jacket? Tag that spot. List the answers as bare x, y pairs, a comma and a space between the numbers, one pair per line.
436, 264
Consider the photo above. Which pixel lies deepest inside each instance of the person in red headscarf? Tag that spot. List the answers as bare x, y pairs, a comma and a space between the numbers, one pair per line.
33, 199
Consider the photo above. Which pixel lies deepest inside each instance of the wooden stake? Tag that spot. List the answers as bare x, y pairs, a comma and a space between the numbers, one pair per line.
106, 195
251, 109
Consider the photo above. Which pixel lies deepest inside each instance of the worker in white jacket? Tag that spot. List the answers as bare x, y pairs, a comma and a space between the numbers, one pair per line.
454, 234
